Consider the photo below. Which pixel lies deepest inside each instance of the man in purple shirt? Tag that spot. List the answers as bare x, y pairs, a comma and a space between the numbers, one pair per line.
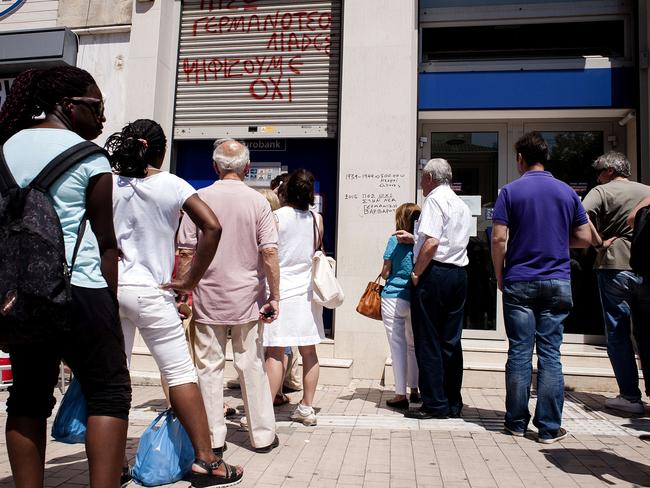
536, 219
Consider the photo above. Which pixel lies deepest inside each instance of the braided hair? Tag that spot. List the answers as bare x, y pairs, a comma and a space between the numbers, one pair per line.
133, 149
37, 91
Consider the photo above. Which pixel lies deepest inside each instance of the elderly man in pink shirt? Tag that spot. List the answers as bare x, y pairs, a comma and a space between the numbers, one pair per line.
233, 295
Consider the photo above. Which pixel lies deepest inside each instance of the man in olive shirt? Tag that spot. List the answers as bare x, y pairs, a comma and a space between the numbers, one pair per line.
622, 292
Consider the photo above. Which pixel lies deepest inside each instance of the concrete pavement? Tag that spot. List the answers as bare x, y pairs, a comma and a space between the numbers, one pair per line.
360, 443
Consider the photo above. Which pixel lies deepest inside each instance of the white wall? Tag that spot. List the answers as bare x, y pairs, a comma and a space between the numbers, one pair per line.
378, 132
33, 14
152, 64
106, 57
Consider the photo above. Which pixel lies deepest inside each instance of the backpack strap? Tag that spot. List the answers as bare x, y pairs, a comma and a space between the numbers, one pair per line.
59, 165
7, 180
63, 162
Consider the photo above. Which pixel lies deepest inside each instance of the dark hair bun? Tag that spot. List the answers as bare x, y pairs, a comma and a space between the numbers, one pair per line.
300, 189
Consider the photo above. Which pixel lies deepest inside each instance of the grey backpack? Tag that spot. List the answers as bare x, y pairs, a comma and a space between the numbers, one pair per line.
34, 274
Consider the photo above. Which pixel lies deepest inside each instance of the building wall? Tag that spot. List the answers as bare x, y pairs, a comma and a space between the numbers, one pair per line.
377, 159
33, 14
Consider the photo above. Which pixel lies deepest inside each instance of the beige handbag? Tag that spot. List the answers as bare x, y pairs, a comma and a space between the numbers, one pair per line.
327, 289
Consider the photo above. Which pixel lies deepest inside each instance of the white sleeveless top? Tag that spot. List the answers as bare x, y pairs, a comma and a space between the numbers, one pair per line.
295, 250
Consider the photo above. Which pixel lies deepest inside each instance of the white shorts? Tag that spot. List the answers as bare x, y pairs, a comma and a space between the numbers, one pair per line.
153, 312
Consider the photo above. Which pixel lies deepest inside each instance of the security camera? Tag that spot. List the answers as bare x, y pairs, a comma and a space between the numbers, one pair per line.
625, 120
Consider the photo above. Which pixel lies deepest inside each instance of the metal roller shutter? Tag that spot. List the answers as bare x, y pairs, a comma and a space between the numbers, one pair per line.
258, 68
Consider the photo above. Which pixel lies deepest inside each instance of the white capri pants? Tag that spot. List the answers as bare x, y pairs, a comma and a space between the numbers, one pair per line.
153, 312
396, 314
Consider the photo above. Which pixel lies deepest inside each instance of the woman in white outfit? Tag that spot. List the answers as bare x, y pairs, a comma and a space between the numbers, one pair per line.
301, 321
146, 208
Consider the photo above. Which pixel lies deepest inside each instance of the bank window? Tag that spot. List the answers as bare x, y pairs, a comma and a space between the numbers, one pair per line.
542, 40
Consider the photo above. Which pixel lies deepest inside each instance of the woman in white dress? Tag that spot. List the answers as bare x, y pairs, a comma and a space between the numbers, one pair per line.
301, 321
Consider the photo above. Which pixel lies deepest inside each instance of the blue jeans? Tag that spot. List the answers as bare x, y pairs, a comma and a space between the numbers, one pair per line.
639, 301
615, 291
533, 315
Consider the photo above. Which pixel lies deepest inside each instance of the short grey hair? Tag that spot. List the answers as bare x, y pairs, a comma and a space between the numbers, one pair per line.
439, 169
614, 160
230, 163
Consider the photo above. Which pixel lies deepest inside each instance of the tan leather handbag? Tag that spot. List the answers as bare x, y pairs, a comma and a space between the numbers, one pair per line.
370, 303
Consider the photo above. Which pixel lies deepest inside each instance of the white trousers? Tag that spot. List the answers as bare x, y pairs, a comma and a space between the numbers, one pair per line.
153, 312
210, 356
396, 314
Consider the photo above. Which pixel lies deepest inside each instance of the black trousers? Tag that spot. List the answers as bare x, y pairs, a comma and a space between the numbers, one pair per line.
437, 305
94, 350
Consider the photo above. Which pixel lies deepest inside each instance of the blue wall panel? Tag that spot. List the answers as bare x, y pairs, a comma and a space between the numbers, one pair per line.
583, 88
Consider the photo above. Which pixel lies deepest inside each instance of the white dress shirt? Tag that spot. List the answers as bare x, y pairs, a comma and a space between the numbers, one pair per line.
447, 218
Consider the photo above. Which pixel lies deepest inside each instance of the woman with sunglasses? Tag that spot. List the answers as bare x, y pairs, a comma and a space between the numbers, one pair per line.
147, 204
71, 103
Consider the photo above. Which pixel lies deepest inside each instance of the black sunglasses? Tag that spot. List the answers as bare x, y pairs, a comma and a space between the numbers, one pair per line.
95, 104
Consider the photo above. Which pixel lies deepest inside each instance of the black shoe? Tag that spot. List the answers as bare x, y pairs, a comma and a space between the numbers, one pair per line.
218, 451
269, 448
421, 414
398, 404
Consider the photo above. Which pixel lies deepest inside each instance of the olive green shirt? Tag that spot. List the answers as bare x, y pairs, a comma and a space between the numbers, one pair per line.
608, 207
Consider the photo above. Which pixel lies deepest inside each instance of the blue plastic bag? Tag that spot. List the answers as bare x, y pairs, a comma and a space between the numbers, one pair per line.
70, 421
165, 453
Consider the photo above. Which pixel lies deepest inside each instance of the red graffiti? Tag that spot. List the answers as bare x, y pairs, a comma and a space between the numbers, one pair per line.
211, 5
197, 70
290, 34
292, 42
262, 89
289, 21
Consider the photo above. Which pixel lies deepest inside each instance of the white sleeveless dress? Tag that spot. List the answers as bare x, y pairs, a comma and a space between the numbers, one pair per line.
301, 320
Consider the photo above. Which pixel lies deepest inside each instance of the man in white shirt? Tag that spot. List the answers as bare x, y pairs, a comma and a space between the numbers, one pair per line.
438, 294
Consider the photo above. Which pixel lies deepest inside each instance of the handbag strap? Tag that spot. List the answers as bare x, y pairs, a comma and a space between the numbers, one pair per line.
378, 279
318, 241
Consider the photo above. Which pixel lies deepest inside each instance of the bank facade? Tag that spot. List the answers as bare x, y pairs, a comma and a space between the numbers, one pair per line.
362, 92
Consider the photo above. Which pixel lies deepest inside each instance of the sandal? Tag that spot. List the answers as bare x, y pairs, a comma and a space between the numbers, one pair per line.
280, 399
203, 480
125, 477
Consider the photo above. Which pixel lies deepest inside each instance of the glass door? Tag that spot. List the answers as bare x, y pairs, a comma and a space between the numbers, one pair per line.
572, 150
477, 155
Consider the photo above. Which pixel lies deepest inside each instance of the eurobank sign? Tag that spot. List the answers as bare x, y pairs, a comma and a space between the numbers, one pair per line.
8, 7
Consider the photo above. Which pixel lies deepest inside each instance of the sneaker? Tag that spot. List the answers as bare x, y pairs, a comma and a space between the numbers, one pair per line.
304, 415
561, 434
516, 433
624, 405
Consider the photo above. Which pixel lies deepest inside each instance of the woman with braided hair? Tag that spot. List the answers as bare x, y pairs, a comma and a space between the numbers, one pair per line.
93, 347
147, 204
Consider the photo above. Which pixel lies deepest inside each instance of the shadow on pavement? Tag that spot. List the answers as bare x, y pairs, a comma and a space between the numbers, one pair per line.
599, 463
595, 402
491, 420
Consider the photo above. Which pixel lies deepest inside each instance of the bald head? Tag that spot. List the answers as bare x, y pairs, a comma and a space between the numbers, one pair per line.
230, 156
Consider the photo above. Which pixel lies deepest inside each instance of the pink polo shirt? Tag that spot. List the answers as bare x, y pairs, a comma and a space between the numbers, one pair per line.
234, 286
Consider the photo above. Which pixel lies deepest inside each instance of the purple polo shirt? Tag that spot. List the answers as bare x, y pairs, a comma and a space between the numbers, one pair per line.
540, 212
